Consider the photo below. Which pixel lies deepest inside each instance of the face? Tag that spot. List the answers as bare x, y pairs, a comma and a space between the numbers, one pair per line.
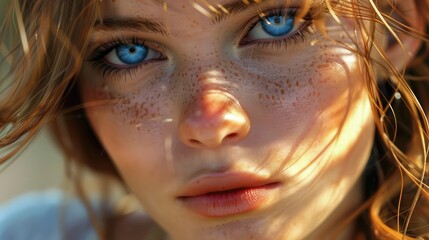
252, 124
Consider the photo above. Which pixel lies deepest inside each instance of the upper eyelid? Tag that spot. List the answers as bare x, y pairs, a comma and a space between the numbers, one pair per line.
262, 15
104, 48
263, 7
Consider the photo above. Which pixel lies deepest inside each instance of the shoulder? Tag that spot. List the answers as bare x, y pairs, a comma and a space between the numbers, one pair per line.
47, 215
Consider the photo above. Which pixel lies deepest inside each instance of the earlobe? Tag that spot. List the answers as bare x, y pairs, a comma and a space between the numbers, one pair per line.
401, 52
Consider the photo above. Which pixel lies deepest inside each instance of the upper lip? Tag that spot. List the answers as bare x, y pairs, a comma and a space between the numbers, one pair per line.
218, 182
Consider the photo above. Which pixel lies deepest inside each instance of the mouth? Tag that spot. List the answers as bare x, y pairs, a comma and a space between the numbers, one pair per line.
221, 195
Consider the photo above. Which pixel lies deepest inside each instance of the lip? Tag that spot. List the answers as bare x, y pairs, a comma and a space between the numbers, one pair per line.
221, 195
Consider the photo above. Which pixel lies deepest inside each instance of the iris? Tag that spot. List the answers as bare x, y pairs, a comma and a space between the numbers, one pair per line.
277, 25
132, 54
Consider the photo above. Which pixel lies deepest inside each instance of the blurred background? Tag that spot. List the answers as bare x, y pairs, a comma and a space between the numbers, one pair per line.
39, 167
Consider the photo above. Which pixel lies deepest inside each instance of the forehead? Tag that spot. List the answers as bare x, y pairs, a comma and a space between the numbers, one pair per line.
156, 8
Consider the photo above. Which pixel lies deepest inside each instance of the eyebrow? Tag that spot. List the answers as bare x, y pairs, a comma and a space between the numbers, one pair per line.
151, 26
217, 13
233, 8
228, 9
131, 24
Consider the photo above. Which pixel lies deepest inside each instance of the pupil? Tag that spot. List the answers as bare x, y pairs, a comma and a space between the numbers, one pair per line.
132, 49
277, 19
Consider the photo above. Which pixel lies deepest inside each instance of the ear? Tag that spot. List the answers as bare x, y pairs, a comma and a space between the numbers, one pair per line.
400, 53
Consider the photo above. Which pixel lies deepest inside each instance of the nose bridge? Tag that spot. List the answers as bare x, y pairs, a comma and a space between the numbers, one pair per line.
209, 91
210, 103
197, 73
203, 58
212, 116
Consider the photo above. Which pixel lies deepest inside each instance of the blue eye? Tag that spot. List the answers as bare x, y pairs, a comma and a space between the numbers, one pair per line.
131, 54
276, 24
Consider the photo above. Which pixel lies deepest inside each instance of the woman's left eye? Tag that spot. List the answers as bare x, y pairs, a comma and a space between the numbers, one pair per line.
275, 25
131, 54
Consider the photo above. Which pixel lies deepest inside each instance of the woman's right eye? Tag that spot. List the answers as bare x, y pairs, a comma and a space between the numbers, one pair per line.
128, 55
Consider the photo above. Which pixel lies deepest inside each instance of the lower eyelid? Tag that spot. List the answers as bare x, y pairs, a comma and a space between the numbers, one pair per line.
108, 71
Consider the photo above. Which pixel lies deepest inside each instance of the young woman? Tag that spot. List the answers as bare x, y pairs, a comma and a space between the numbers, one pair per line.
232, 119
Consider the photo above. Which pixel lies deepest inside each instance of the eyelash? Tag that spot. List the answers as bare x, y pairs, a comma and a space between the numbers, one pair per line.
297, 36
108, 70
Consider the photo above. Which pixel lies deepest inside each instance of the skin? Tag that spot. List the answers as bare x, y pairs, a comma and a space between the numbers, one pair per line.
298, 114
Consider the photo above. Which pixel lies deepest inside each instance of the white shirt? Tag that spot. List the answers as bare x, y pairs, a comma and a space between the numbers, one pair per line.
45, 216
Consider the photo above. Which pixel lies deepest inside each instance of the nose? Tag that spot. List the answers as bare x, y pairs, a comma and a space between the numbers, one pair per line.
213, 120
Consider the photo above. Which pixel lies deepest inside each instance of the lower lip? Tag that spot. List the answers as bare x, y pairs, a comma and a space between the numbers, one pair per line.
232, 202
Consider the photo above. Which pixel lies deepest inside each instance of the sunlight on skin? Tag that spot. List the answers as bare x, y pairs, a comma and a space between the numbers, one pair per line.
334, 177
298, 114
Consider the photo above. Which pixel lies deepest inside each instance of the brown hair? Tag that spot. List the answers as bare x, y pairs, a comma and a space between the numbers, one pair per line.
43, 43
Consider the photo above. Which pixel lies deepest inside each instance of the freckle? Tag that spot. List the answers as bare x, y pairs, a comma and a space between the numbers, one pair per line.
282, 91
297, 83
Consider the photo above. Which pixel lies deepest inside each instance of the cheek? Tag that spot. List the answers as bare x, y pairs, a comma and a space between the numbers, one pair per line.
130, 103
130, 122
132, 129
298, 88
307, 100
140, 109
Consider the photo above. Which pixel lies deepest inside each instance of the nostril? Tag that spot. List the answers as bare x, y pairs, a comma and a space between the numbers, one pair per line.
231, 136
194, 142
